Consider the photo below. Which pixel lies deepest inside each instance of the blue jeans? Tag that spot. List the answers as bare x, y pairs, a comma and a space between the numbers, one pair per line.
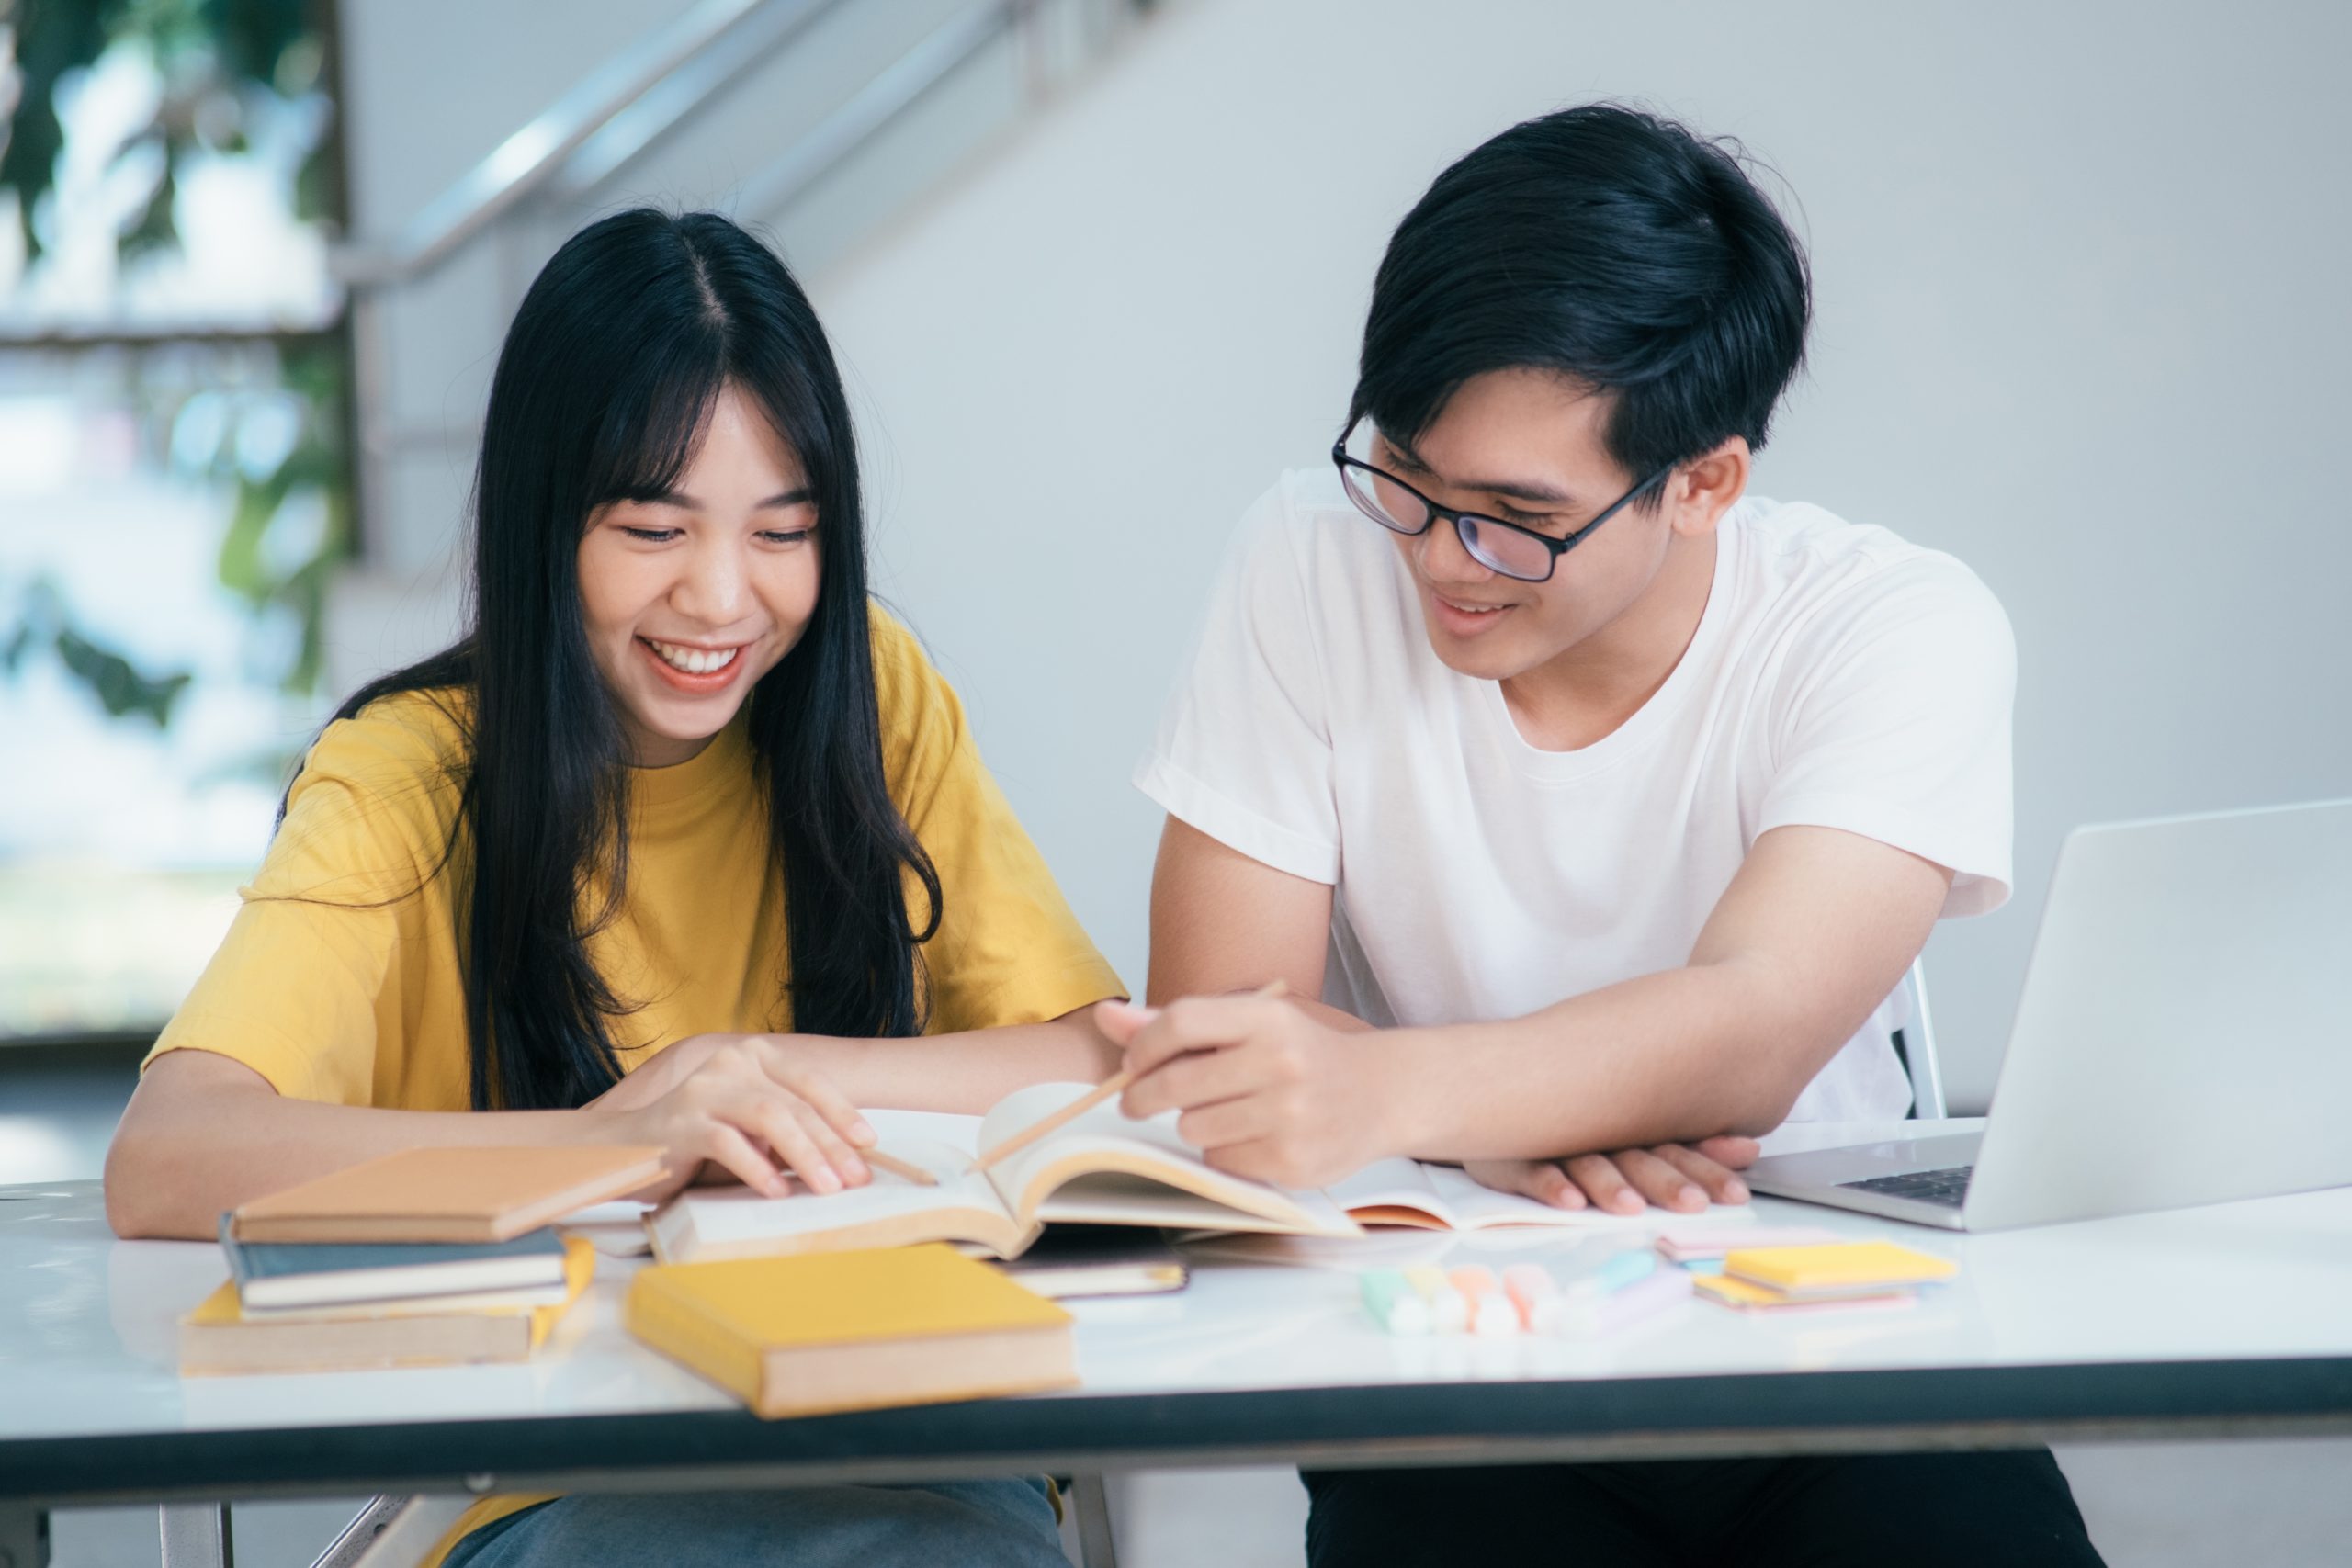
984, 1524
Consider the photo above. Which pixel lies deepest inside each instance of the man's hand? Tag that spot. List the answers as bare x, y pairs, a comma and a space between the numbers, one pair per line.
1265, 1090
1681, 1176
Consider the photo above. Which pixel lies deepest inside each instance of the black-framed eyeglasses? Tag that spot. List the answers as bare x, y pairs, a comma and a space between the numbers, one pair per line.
1499, 547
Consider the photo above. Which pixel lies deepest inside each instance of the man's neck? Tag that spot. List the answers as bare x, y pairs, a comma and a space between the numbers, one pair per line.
1585, 693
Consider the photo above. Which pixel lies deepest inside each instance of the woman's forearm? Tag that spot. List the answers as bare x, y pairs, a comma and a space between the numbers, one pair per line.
968, 1072
204, 1134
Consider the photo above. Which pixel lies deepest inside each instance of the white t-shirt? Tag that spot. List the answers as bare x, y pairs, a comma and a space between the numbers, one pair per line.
1839, 677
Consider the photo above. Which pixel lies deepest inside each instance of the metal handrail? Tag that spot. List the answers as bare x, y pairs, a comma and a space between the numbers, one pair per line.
673, 101
866, 112
533, 156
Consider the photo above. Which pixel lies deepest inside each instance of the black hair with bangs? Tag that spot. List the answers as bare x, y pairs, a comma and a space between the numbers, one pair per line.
602, 389
1614, 248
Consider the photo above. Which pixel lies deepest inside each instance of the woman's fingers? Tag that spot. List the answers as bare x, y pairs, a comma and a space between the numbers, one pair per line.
1541, 1179
820, 1094
793, 1140
1720, 1185
728, 1147
1660, 1182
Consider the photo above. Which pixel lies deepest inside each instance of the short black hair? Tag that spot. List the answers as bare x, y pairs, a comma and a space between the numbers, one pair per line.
1614, 247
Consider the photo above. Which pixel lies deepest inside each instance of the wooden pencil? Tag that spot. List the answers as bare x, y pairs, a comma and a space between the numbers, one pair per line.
1110, 1087
896, 1166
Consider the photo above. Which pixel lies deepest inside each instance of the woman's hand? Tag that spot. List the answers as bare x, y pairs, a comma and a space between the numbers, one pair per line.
746, 1103
1683, 1176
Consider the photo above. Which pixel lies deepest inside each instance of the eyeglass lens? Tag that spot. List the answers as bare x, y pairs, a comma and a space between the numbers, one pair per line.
1495, 548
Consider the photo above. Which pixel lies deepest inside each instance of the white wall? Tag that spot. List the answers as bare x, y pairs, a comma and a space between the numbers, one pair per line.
2081, 320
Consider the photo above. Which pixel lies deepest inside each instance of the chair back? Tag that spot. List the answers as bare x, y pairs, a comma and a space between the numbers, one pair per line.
1915, 1045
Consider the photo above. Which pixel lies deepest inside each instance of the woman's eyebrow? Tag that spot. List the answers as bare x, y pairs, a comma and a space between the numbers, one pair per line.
800, 497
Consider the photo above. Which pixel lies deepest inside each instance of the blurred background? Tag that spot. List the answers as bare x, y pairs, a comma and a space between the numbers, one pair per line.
1096, 269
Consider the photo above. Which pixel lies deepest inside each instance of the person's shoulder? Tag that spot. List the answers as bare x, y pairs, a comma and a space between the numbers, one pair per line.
903, 673
1821, 568
399, 742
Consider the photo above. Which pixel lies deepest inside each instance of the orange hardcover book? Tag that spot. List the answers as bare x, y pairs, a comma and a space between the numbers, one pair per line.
828, 1331
449, 1194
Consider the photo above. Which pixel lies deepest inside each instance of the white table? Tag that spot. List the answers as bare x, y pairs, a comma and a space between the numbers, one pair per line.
2230, 1320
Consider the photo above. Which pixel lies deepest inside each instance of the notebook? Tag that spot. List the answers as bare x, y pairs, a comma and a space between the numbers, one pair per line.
1445, 1197
1101, 1168
853, 1330
448, 1194
219, 1338
320, 1273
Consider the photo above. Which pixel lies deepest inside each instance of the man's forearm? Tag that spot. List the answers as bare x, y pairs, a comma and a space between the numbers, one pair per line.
1675, 1056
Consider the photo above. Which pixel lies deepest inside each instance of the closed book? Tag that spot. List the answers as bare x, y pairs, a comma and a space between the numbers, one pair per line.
323, 1273
1847, 1269
823, 1332
218, 1337
449, 1194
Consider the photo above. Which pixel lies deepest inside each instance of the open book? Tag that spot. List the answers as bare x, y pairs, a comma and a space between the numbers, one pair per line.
1101, 1168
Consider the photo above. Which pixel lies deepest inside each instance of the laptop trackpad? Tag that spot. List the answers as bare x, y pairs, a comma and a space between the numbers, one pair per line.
1857, 1162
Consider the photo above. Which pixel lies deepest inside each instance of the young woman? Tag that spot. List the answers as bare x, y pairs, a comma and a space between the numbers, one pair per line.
684, 843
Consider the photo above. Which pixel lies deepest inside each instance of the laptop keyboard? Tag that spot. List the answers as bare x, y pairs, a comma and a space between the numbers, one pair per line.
1948, 1187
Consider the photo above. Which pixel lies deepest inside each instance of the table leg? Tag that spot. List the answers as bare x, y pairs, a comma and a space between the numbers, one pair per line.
24, 1536
195, 1535
1096, 1547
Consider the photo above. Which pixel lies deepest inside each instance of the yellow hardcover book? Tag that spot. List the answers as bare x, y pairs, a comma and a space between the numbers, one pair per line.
1837, 1268
831, 1331
217, 1338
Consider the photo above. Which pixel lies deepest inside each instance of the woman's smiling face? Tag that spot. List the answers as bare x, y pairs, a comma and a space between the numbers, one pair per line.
690, 597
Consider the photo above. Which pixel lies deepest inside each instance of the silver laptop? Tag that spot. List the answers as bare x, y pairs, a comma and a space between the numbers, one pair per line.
2185, 1037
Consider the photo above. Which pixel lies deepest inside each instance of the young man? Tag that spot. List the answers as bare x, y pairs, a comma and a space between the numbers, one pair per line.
1602, 805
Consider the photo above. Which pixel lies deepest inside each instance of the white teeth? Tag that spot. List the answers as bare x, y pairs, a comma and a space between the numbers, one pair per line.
693, 660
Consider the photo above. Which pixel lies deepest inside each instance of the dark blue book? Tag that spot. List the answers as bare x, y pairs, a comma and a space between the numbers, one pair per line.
323, 1273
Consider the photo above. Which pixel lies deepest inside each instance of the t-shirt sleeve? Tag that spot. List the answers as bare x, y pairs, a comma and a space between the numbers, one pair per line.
1243, 752
1895, 725
1008, 949
295, 988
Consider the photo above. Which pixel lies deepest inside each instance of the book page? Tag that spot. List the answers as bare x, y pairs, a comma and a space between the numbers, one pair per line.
736, 1221
1104, 1168
1394, 1191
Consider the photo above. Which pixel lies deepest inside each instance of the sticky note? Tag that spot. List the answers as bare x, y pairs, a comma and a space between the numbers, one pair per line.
1393, 1304
1528, 1285
1841, 1269
1637, 1302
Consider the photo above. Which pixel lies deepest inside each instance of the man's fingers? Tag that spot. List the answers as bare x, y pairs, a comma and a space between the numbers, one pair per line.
1720, 1185
1659, 1181
1195, 1022
1226, 1123
1120, 1021
1540, 1180
1197, 1077
1731, 1151
1602, 1182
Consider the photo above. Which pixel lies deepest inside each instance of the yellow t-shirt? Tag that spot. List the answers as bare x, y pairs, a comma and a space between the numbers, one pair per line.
339, 979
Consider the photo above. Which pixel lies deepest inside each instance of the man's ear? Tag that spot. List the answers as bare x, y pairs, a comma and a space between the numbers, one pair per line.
1702, 490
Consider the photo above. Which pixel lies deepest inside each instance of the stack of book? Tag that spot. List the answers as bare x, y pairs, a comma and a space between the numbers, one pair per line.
432, 1256
1831, 1274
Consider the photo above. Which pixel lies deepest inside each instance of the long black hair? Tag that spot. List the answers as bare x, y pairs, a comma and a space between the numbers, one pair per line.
603, 391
